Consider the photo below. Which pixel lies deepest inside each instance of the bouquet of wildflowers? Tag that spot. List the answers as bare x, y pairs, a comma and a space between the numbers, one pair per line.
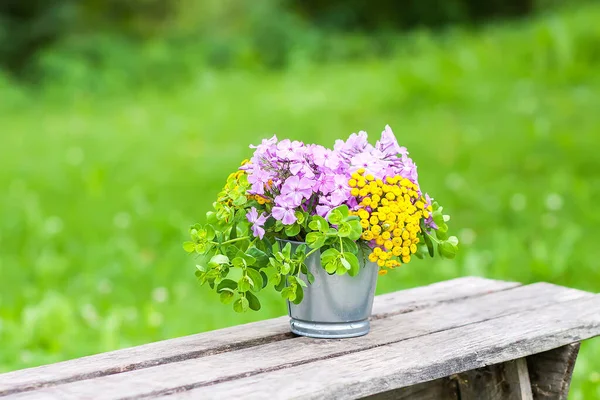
352, 203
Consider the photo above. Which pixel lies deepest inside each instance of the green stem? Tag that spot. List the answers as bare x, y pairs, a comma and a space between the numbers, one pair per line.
233, 240
312, 251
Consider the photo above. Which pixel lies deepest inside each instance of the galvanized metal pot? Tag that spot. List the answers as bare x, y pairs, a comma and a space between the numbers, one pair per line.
334, 306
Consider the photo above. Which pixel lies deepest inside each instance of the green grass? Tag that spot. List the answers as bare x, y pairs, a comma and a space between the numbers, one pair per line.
98, 191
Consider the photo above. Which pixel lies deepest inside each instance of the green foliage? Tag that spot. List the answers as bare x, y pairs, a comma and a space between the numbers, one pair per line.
134, 38
227, 248
447, 246
96, 188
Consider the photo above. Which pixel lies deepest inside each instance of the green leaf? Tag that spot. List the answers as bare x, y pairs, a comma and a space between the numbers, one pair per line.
453, 240
265, 279
247, 258
279, 226
329, 256
315, 240
304, 268
442, 234
350, 245
331, 267
238, 262
301, 282
335, 216
211, 218
257, 279
301, 216
281, 285
201, 248
429, 244
289, 293
344, 229
287, 250
275, 279
275, 248
218, 259
253, 301
244, 284
260, 256
354, 264
356, 229
345, 263
241, 305
318, 223
231, 251
292, 230
226, 284
226, 297
310, 277
190, 247
438, 217
300, 251
447, 250
200, 275
201, 268
285, 268
298, 294
240, 201
210, 232
344, 210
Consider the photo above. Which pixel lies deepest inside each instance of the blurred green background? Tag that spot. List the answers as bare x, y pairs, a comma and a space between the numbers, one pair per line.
120, 120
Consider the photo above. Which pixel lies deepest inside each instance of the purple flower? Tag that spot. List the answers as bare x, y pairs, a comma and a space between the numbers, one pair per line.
388, 144
290, 151
323, 210
257, 222
258, 178
323, 157
356, 143
341, 193
284, 214
325, 184
265, 143
295, 189
370, 162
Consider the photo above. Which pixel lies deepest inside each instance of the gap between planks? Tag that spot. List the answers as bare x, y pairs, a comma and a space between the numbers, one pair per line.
232, 339
276, 356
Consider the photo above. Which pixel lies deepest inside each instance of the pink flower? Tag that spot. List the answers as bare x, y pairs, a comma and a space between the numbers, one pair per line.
294, 190
284, 214
257, 222
388, 144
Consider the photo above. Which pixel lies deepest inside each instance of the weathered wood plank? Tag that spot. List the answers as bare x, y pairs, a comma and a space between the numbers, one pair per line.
300, 351
237, 337
551, 372
442, 292
505, 381
439, 389
422, 358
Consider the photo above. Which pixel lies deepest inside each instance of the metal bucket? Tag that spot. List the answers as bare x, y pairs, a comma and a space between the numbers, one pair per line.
334, 306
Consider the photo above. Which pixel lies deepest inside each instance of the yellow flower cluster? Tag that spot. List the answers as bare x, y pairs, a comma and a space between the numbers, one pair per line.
390, 213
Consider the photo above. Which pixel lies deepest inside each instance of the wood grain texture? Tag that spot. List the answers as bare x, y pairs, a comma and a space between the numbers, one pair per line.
420, 359
305, 353
234, 338
439, 389
551, 372
505, 381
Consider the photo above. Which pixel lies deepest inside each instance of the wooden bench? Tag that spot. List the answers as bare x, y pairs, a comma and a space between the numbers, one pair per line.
468, 338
